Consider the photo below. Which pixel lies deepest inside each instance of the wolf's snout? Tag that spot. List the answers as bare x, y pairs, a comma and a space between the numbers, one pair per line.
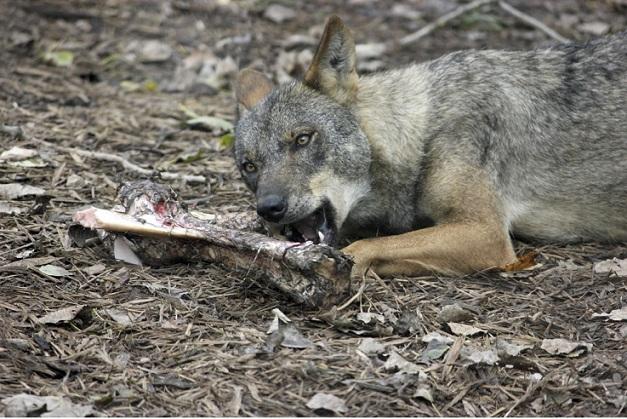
272, 207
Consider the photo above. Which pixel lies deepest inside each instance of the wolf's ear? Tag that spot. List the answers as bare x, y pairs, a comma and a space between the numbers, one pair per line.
332, 70
251, 86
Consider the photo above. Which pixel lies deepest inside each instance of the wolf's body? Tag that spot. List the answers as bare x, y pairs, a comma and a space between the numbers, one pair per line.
472, 146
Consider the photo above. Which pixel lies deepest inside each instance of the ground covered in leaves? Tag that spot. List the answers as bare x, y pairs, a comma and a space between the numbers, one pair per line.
148, 81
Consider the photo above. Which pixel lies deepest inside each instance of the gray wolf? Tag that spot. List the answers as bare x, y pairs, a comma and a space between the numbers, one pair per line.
435, 165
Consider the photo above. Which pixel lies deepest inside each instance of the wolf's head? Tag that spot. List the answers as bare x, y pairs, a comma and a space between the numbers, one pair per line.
299, 145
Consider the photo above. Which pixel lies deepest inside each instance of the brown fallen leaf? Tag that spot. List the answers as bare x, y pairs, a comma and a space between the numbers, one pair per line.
526, 261
620, 314
46, 406
31, 262
565, 347
396, 362
62, 315
460, 329
612, 267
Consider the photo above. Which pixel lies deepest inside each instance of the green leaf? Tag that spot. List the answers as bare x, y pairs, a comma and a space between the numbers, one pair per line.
150, 85
227, 140
147, 86
189, 157
59, 58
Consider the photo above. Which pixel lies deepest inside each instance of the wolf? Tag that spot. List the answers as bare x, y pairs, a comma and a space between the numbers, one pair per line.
433, 167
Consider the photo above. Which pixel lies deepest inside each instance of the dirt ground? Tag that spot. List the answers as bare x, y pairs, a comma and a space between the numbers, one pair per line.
124, 78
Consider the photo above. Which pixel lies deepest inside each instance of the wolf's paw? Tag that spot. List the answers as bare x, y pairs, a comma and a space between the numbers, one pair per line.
363, 257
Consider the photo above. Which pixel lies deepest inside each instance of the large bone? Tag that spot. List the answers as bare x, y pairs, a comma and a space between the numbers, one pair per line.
160, 231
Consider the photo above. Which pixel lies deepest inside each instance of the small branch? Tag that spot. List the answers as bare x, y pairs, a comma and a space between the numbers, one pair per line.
531, 389
532, 21
446, 18
354, 297
441, 21
127, 164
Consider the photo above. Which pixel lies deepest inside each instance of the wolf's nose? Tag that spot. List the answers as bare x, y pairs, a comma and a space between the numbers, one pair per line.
272, 207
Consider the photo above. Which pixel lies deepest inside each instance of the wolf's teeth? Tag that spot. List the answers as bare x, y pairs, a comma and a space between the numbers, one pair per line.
321, 236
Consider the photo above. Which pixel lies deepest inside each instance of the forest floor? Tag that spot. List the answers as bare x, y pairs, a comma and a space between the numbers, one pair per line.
109, 338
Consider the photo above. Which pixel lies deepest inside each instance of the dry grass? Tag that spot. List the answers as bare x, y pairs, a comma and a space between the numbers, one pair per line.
194, 343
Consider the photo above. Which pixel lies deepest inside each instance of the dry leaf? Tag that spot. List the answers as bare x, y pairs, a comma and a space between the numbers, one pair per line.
613, 267
369, 317
565, 347
17, 190
31, 262
121, 317
454, 313
18, 153
436, 336
53, 270
396, 362
596, 28
328, 402
122, 251
279, 317
370, 51
278, 13
210, 123
423, 391
526, 261
510, 349
62, 315
292, 338
95, 269
464, 329
23, 405
473, 355
370, 346
5, 208
620, 314
434, 350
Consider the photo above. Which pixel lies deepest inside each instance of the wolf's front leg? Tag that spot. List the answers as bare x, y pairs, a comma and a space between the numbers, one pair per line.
452, 249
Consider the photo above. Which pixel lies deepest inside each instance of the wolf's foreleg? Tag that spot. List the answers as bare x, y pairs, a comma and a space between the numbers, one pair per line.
452, 249
470, 233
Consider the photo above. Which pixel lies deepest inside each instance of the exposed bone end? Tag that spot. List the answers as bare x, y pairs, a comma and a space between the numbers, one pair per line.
87, 218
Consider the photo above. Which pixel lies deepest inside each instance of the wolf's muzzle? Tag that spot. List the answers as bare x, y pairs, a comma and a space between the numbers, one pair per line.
272, 207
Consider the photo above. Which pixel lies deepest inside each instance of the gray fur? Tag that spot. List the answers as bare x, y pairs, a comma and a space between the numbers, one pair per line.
549, 127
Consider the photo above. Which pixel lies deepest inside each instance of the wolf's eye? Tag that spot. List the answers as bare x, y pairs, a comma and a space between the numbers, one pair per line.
303, 139
250, 167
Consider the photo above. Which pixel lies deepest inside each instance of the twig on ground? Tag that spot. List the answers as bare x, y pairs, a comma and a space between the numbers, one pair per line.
441, 21
532, 21
354, 297
446, 18
531, 389
127, 164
